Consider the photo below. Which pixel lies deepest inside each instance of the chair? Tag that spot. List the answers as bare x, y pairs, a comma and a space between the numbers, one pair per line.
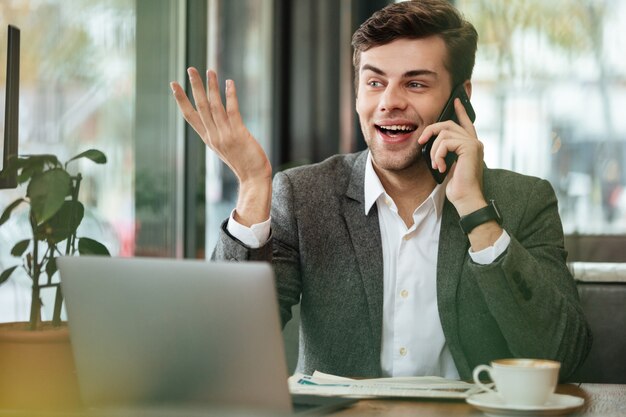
602, 290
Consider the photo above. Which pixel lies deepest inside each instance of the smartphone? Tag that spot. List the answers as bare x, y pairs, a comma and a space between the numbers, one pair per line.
448, 113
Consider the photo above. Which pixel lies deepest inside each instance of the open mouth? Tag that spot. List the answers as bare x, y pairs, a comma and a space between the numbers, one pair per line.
396, 130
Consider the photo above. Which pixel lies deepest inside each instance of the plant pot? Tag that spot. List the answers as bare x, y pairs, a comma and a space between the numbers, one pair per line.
37, 368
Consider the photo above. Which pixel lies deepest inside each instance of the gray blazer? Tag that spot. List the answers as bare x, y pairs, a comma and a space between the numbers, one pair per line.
327, 255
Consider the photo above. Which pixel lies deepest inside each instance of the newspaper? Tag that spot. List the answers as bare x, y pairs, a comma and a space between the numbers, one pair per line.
408, 387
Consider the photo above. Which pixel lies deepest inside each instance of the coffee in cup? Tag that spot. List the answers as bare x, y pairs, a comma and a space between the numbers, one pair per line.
521, 382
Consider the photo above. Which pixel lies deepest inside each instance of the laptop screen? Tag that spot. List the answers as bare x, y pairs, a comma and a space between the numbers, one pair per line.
152, 331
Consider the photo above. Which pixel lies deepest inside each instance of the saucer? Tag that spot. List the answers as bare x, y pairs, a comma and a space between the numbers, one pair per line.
492, 405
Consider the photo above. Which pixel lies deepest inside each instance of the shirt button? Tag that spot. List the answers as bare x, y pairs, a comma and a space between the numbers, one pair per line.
388, 201
404, 293
402, 351
406, 237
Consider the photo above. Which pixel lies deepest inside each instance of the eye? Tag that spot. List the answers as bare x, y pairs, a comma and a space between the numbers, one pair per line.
415, 84
374, 84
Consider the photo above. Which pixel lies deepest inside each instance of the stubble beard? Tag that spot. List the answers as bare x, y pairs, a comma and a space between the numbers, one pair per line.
389, 160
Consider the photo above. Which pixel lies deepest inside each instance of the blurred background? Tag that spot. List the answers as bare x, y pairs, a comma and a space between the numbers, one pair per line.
549, 90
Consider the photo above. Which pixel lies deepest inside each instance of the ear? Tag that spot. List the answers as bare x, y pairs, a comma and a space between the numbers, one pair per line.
468, 88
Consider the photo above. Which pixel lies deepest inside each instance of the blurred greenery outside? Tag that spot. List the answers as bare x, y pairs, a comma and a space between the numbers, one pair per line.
549, 90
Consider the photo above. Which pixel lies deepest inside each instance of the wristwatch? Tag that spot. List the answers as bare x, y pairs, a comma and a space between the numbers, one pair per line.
480, 216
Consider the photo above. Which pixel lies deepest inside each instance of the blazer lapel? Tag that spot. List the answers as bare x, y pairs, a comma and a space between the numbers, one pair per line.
366, 241
453, 247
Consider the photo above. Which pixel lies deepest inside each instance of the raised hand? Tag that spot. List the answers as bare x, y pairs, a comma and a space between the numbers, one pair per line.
224, 132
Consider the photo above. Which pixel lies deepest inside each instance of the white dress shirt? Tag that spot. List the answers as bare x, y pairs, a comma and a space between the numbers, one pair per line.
413, 342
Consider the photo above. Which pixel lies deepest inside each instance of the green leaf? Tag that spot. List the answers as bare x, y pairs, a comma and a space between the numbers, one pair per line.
51, 267
20, 247
88, 246
32, 165
47, 192
95, 155
13, 165
41, 160
63, 224
28, 172
7, 212
7, 273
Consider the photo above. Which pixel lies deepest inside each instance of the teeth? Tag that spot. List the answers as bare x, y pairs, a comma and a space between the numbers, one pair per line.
398, 127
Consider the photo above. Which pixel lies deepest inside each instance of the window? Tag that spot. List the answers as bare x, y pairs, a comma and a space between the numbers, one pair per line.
89, 81
240, 48
549, 90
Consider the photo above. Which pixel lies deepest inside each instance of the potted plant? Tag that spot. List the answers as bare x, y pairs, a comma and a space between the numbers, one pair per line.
27, 349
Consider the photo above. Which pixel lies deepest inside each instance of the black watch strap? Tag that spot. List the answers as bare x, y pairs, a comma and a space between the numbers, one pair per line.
480, 216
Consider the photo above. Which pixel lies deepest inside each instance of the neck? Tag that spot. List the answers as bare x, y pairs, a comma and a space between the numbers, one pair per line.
408, 188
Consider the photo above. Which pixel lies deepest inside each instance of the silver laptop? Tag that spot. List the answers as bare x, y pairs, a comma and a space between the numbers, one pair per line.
156, 331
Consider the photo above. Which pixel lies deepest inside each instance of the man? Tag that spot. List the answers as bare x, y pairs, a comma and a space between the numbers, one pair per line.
371, 246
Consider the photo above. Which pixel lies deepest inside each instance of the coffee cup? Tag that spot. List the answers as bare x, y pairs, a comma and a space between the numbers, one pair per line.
521, 382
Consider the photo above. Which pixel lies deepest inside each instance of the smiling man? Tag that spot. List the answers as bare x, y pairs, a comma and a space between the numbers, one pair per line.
397, 274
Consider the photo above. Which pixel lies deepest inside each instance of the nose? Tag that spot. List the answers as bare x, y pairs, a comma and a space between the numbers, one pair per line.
393, 98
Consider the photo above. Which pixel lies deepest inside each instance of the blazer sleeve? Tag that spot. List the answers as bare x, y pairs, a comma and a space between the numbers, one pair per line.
529, 290
281, 248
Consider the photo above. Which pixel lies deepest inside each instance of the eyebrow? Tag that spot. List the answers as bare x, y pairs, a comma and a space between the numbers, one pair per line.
408, 74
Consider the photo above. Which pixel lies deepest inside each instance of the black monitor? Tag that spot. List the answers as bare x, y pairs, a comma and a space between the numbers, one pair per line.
11, 105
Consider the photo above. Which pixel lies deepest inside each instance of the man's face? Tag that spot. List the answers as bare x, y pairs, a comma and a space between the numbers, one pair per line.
403, 87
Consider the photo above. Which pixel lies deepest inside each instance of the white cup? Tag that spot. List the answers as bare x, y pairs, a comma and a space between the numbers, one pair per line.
521, 382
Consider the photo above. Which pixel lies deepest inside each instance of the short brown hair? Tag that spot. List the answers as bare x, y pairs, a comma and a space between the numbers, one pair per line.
417, 19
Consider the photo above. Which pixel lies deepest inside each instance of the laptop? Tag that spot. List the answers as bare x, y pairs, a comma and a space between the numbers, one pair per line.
160, 332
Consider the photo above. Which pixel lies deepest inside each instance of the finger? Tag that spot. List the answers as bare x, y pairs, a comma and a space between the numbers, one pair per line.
443, 148
433, 133
202, 101
215, 104
186, 108
434, 130
232, 105
448, 140
427, 133
463, 117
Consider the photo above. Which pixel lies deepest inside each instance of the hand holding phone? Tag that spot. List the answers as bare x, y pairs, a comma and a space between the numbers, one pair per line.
448, 113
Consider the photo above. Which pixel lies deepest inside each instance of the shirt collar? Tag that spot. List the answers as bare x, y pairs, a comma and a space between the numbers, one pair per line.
373, 189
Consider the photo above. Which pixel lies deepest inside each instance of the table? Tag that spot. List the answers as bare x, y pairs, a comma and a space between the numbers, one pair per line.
601, 400
606, 400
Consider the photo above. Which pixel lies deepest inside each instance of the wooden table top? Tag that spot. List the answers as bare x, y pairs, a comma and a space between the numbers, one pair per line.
606, 400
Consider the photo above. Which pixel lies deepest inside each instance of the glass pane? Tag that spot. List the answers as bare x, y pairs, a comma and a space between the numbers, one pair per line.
549, 87
240, 49
159, 128
79, 89
76, 92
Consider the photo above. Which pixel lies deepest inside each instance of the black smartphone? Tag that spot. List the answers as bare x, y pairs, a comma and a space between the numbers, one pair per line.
448, 113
